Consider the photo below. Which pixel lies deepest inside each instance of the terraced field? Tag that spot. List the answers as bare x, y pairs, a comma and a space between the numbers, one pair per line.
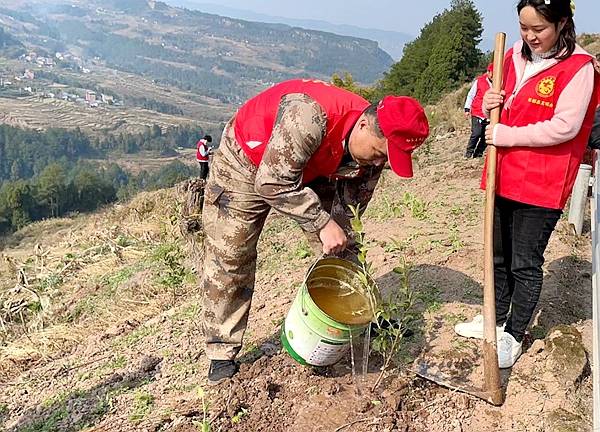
201, 108
37, 113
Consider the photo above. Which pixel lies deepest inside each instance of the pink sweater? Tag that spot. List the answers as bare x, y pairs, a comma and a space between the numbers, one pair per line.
568, 114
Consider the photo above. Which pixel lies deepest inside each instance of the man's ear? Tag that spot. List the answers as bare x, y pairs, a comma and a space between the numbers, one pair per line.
363, 123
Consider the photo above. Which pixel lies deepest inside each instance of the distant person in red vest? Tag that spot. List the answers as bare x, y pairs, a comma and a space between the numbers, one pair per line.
202, 153
307, 149
548, 101
474, 109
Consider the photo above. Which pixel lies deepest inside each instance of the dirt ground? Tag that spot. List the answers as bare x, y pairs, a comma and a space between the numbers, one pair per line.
117, 345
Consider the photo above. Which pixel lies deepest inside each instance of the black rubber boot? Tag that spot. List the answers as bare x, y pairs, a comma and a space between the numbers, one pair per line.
220, 370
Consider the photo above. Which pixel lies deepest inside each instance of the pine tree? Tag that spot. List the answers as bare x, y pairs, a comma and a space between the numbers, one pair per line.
443, 56
50, 188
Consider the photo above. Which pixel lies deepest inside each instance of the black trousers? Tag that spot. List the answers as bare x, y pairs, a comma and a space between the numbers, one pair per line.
477, 143
521, 234
203, 170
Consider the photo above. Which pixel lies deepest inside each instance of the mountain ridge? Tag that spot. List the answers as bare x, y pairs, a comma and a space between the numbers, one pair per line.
390, 41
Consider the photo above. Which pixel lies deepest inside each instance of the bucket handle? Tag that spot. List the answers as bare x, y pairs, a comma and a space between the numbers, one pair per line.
310, 269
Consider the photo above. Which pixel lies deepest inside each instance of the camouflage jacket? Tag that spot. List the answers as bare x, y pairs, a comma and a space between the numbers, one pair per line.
299, 128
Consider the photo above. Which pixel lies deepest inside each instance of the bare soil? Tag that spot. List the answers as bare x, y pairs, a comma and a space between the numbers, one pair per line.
118, 346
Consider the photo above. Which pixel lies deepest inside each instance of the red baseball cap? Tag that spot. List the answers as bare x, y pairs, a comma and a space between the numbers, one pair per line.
404, 123
490, 67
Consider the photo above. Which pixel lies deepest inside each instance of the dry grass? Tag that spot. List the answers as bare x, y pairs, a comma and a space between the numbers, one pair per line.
590, 42
448, 114
92, 273
134, 163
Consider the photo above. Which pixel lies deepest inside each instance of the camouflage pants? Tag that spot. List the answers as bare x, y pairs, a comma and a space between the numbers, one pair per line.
233, 218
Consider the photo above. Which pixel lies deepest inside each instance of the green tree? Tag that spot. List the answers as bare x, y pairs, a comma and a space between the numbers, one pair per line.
347, 82
15, 170
91, 190
443, 56
16, 204
51, 187
155, 131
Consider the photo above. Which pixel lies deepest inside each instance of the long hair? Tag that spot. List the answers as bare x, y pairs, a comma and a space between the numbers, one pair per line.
554, 11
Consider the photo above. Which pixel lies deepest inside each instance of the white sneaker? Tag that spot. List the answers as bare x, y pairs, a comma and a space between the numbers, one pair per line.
509, 351
474, 328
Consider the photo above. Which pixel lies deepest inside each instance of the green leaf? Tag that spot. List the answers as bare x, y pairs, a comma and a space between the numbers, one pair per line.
357, 225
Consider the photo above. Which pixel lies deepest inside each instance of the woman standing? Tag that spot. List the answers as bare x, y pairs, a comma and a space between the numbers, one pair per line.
548, 101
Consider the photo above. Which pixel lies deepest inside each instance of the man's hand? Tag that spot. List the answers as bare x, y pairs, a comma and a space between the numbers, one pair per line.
467, 114
333, 238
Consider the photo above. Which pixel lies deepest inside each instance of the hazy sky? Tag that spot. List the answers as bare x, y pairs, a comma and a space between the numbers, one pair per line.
406, 16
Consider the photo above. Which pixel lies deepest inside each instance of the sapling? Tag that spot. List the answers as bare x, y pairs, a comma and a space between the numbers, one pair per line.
204, 425
392, 315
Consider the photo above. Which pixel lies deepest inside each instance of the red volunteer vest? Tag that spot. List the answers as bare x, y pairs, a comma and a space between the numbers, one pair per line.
255, 119
541, 176
201, 147
483, 85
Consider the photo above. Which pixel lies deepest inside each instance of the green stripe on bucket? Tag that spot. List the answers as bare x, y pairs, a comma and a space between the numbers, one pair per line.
293, 354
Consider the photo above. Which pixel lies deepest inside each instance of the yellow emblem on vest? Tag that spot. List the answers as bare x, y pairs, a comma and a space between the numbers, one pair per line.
545, 87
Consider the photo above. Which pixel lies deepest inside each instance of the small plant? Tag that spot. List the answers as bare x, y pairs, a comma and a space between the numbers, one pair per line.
453, 319
124, 241
456, 210
392, 315
243, 412
385, 208
391, 209
397, 247
303, 250
455, 243
538, 332
114, 280
417, 207
117, 362
394, 246
142, 405
51, 423
204, 425
252, 350
171, 258
50, 282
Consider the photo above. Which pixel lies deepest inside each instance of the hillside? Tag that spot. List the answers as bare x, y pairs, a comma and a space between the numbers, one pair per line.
100, 313
101, 319
121, 67
213, 56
